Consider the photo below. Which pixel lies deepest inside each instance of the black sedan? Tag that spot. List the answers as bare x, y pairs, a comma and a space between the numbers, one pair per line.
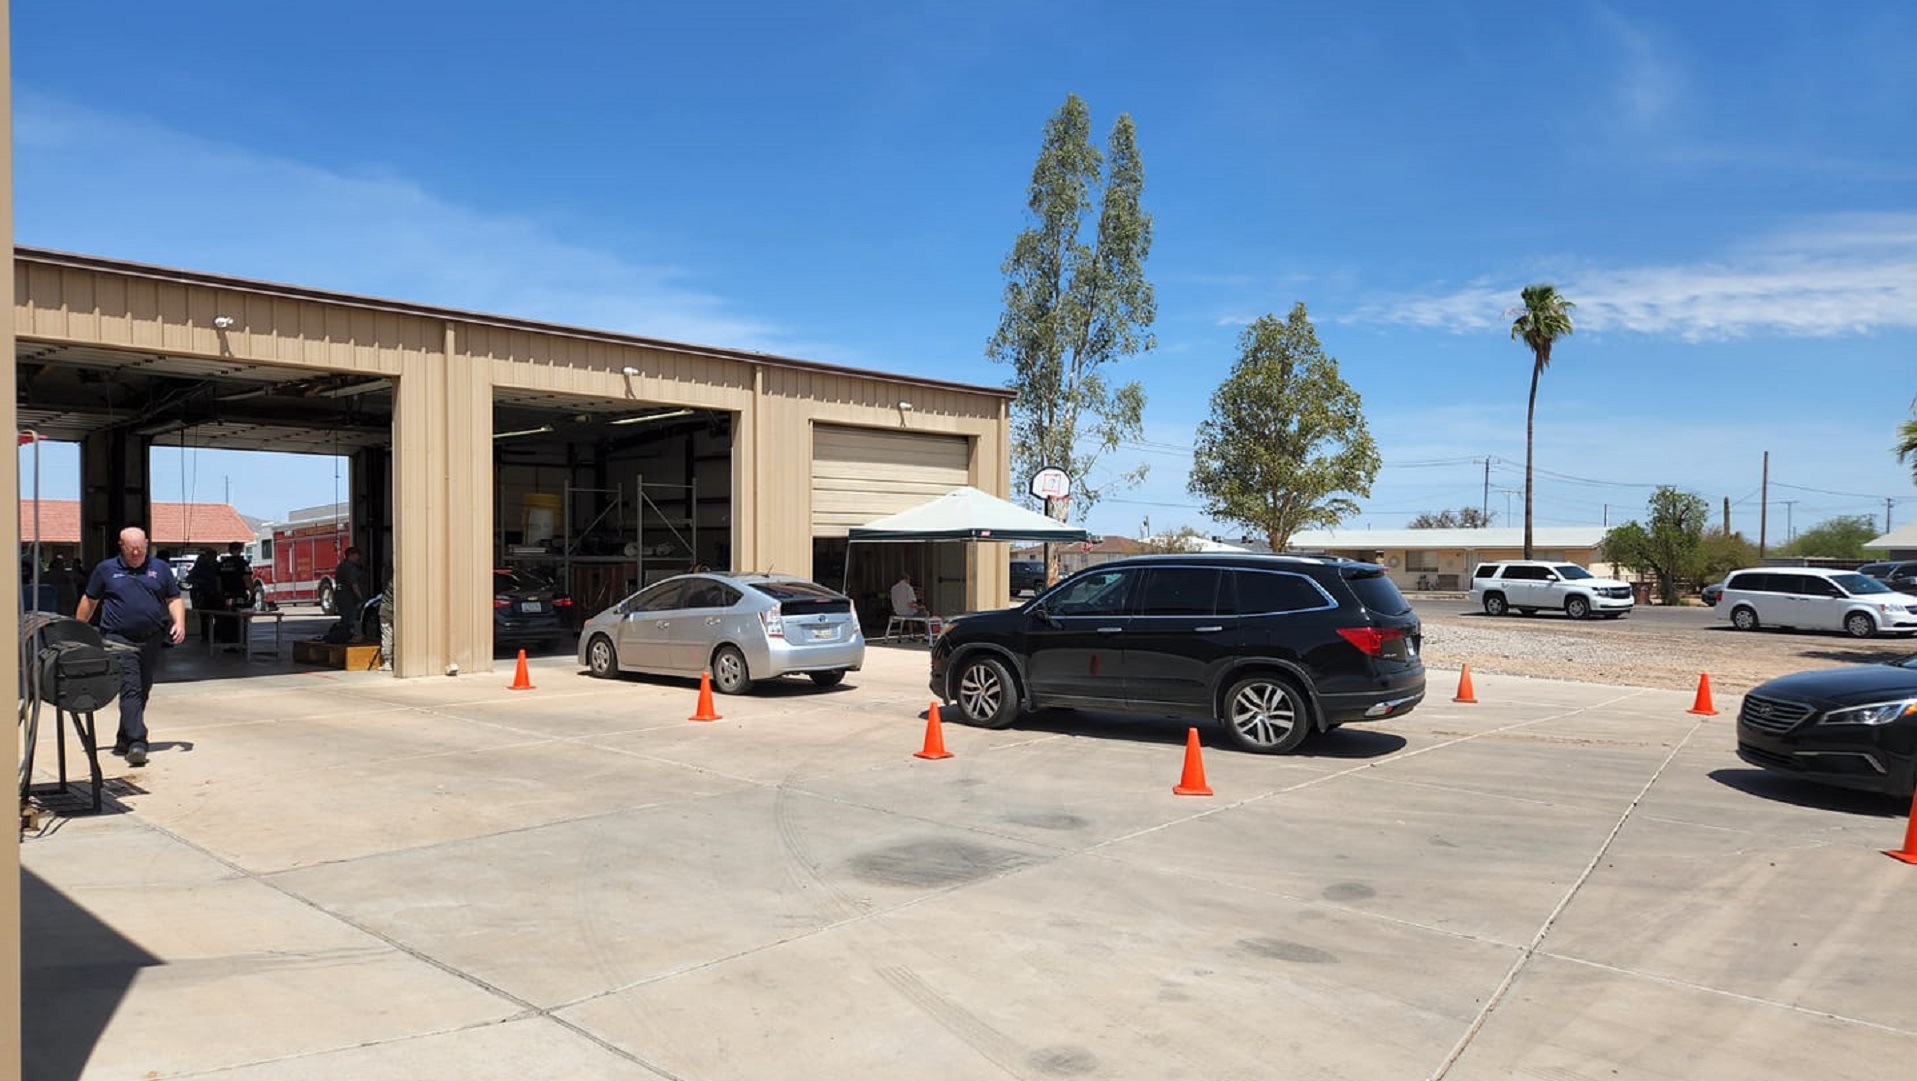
1852, 727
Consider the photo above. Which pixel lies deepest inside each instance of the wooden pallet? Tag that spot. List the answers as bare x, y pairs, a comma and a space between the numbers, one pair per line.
351, 658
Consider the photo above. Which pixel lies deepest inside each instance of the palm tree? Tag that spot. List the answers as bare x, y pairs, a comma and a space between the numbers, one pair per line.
1907, 446
1543, 318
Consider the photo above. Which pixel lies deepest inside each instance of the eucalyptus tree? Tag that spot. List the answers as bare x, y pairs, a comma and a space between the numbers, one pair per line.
1073, 306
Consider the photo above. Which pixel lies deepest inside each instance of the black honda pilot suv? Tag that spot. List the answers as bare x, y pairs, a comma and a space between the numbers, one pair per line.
1277, 647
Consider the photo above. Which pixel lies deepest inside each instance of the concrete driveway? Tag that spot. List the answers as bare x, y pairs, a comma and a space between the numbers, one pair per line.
336, 875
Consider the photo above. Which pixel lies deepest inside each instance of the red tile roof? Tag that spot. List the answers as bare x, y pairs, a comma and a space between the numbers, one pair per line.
173, 523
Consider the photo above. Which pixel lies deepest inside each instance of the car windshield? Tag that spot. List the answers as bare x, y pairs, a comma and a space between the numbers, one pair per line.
1856, 584
1571, 572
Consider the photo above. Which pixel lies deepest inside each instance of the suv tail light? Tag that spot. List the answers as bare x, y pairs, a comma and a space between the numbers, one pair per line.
502, 602
562, 602
774, 622
1370, 640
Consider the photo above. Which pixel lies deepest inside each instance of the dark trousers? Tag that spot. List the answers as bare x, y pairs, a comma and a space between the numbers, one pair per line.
136, 684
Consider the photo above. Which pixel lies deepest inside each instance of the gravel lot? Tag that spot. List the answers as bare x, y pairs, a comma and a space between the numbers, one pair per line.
1650, 648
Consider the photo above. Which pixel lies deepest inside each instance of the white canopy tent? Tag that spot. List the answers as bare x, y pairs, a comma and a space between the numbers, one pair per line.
966, 514
962, 514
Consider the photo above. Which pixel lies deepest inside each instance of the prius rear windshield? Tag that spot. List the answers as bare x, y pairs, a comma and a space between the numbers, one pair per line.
798, 598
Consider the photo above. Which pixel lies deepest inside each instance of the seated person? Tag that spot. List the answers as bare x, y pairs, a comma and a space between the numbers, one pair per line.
905, 603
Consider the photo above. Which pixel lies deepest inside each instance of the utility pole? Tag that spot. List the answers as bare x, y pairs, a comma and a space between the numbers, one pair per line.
1727, 516
1790, 526
1484, 502
1763, 504
1607, 516
1887, 502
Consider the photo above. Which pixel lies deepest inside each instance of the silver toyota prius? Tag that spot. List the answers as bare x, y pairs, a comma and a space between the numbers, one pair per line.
740, 627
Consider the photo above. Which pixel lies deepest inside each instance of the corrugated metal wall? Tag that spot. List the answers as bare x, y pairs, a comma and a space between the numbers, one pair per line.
859, 474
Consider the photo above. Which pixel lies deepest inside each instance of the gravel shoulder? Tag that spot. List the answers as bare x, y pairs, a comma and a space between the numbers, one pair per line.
1601, 651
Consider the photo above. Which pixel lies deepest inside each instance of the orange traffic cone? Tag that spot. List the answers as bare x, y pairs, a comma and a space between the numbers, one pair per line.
705, 712
1703, 706
1908, 853
522, 680
1192, 783
934, 736
1465, 693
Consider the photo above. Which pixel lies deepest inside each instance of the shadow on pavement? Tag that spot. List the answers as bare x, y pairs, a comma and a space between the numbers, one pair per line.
74, 970
1798, 793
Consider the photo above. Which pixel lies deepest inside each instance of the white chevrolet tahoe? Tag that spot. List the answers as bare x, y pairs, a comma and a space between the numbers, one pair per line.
1528, 585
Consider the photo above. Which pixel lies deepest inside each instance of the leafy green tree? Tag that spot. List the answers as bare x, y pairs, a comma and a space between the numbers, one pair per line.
1462, 518
1183, 539
1286, 435
1907, 446
1671, 547
1725, 552
1842, 537
1542, 318
1072, 308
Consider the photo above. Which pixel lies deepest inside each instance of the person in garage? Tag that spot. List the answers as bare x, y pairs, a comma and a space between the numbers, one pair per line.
139, 603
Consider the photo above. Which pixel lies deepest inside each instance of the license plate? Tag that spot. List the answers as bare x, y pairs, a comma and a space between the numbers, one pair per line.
819, 633
530, 606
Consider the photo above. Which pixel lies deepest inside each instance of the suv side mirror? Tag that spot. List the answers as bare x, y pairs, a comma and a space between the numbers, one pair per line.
1044, 614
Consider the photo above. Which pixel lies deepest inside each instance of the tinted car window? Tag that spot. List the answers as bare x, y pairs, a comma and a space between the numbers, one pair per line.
660, 598
710, 594
509, 581
1377, 591
1856, 584
1485, 570
1571, 572
1264, 591
798, 597
1757, 582
1179, 591
1529, 574
1101, 593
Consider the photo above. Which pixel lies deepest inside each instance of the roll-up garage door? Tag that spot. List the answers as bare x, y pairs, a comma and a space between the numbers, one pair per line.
859, 474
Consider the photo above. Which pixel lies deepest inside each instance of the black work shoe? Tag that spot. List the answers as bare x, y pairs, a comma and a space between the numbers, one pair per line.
119, 747
136, 754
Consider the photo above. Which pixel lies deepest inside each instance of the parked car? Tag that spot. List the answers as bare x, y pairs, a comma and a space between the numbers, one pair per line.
1529, 585
1028, 576
1275, 647
1711, 593
1815, 599
1853, 727
524, 613
740, 627
1900, 575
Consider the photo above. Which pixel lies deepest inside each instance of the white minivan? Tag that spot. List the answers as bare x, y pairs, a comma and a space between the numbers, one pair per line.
1815, 598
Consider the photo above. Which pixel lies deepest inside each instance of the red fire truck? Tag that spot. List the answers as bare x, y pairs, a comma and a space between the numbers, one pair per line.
296, 566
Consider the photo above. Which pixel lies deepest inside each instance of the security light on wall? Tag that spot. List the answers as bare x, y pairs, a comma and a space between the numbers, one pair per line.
222, 322
905, 407
628, 370
644, 417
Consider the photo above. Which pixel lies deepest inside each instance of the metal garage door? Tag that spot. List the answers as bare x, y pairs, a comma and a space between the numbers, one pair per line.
859, 474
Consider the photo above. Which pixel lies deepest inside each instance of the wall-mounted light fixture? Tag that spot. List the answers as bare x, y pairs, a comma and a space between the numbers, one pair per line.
644, 417
905, 407
222, 322
628, 370
542, 429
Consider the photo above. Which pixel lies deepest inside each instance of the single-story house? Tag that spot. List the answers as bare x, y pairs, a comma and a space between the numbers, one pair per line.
1899, 543
1442, 559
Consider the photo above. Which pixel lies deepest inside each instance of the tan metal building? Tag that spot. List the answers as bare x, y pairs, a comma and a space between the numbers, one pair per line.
608, 460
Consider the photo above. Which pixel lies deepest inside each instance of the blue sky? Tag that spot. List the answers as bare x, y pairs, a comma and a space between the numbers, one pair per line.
1728, 191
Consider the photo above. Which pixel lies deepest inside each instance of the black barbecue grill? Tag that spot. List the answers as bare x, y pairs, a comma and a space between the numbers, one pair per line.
68, 665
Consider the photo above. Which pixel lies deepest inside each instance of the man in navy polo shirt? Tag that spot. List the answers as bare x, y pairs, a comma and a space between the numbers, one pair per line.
140, 605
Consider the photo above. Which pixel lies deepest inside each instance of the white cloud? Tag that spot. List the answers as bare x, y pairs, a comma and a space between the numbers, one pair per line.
124, 188
1834, 276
